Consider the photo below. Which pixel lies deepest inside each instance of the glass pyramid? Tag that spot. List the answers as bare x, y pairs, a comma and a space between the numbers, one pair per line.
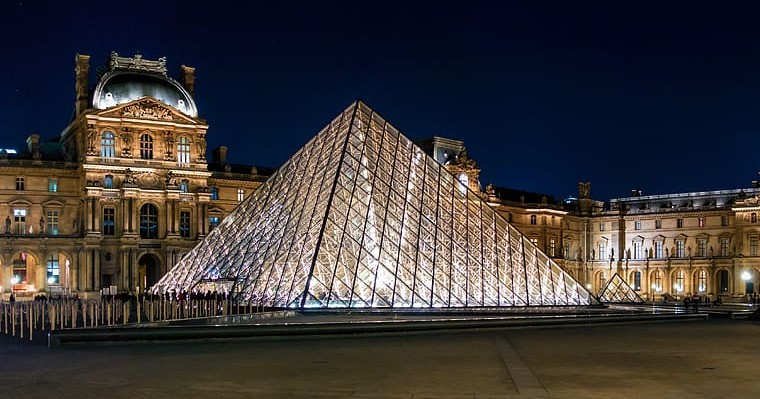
361, 217
618, 291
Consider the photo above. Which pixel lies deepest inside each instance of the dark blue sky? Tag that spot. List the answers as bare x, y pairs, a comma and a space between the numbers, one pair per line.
660, 96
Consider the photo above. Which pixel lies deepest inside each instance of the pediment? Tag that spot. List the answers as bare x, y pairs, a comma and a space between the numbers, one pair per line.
53, 203
147, 108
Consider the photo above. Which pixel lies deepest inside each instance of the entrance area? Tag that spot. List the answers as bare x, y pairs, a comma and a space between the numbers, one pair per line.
148, 271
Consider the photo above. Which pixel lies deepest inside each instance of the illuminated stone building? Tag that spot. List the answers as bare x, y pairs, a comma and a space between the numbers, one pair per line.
663, 245
124, 191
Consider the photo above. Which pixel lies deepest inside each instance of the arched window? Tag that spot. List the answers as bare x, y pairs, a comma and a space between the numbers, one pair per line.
532, 219
678, 283
657, 281
107, 145
637, 281
146, 146
723, 279
701, 281
148, 221
183, 151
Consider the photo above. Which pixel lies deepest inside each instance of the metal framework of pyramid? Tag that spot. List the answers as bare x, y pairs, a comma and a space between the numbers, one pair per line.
362, 217
618, 291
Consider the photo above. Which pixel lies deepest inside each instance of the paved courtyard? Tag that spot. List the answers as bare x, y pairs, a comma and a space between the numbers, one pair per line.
694, 359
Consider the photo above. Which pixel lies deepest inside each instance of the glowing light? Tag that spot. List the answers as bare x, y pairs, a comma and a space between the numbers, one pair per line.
15, 280
51, 280
746, 276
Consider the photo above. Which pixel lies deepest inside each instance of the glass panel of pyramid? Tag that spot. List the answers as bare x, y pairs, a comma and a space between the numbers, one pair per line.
618, 291
362, 217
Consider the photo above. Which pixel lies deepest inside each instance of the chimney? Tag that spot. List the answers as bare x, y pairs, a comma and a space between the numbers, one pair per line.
33, 142
82, 71
219, 156
187, 76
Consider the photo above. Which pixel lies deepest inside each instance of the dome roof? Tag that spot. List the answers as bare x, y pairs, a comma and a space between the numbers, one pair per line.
122, 86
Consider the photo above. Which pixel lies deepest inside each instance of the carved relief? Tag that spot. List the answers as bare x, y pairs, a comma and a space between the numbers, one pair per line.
148, 180
138, 62
147, 110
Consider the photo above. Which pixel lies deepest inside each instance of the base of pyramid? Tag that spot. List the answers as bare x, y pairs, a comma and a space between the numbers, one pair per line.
328, 322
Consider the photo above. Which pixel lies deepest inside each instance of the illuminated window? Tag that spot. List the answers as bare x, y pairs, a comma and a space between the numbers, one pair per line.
603, 250
240, 195
20, 184
184, 185
602, 226
678, 285
214, 193
19, 220
53, 185
657, 278
566, 248
658, 223
552, 247
52, 222
701, 221
658, 249
534, 241
637, 281
183, 151
213, 222
107, 145
701, 281
184, 223
53, 269
701, 247
109, 221
679, 223
532, 219
753, 245
637, 225
108, 181
724, 246
146, 146
148, 221
680, 249
602, 281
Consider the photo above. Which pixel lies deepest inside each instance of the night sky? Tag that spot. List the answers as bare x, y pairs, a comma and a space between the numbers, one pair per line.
659, 96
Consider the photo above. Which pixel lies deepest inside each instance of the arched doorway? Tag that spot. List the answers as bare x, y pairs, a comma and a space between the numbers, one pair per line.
148, 271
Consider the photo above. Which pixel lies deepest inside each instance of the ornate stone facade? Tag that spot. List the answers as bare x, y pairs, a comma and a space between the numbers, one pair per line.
122, 195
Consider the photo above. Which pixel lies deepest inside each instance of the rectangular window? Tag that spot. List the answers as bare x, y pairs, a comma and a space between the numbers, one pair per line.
658, 223
724, 220
602, 226
20, 184
213, 222
679, 249
240, 195
637, 281
532, 219
19, 220
637, 225
701, 247
636, 250
52, 222
109, 221
567, 250
534, 241
53, 185
679, 223
753, 246
701, 221
184, 223
53, 269
552, 247
603, 250
658, 249
214, 193
724, 247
